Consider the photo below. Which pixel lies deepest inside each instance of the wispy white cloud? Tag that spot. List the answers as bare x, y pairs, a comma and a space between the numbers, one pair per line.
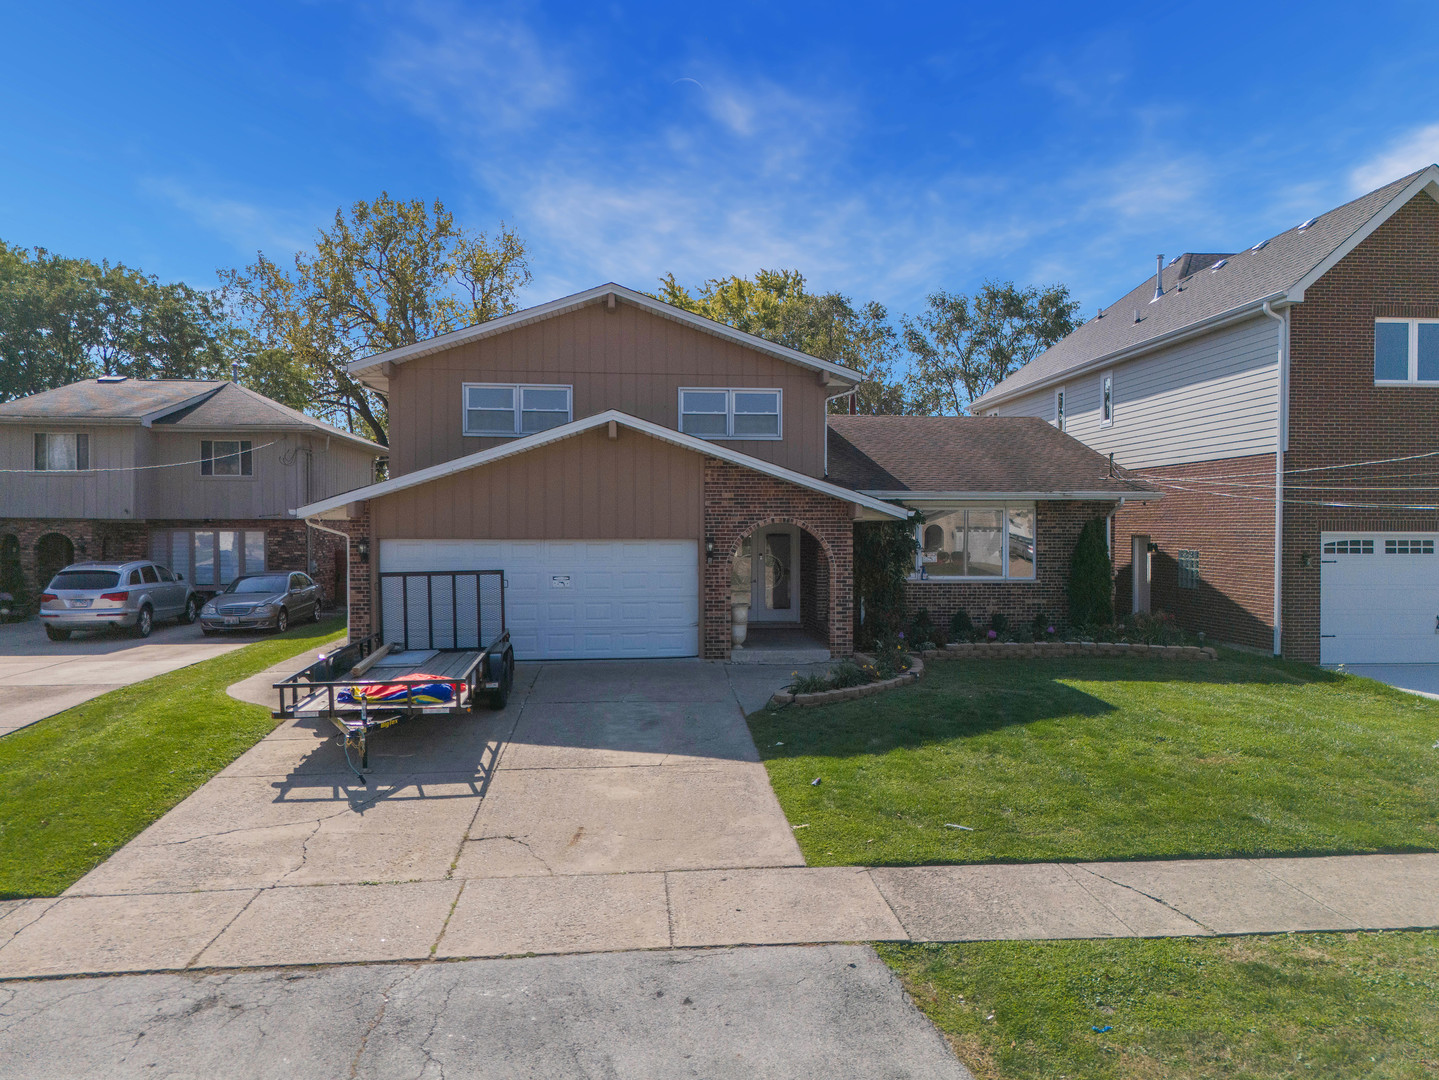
479, 70
1413, 151
246, 225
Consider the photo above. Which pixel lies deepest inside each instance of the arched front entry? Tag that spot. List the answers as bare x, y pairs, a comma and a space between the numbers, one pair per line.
53, 552
783, 574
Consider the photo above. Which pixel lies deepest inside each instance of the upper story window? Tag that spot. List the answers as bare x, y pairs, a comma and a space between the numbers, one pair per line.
226, 457
978, 542
62, 453
730, 414
510, 409
1106, 399
1406, 351
1059, 409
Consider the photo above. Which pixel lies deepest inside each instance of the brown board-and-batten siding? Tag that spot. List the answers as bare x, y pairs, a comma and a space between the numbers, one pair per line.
626, 359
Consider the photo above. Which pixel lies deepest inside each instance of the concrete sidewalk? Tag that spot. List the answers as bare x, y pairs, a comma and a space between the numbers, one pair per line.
453, 917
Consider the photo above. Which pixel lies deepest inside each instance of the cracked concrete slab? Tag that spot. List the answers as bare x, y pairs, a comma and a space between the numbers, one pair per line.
1229, 896
1371, 891
983, 903
779, 907
335, 924
83, 934
631, 820
600, 913
831, 1012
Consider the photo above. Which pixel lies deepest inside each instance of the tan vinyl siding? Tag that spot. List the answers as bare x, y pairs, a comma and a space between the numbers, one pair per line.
1202, 400
627, 359
584, 488
290, 469
98, 492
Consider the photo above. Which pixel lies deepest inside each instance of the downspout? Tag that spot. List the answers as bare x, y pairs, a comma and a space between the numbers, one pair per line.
346, 537
824, 421
1281, 443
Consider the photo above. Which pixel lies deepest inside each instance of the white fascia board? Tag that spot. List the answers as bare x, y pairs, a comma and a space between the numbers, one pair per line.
1016, 496
1426, 180
589, 296
578, 427
1131, 352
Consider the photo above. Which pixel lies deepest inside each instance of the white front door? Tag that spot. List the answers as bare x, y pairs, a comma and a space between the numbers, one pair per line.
577, 599
1139, 548
774, 576
1378, 598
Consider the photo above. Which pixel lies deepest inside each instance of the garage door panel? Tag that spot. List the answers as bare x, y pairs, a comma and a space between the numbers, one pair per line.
620, 599
1378, 600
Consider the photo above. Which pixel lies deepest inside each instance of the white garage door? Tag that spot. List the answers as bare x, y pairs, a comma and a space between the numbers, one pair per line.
578, 599
1379, 598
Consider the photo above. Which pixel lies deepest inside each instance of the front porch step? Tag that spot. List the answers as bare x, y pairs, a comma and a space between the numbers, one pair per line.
791, 655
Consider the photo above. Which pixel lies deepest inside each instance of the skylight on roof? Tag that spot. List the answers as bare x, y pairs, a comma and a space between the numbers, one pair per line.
111, 378
1220, 265
1308, 223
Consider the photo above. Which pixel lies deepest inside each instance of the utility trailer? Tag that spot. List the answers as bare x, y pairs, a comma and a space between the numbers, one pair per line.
442, 650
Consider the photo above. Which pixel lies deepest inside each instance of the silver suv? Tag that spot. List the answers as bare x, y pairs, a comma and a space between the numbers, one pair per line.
97, 595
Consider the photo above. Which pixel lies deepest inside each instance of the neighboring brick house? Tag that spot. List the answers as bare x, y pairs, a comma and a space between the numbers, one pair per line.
201, 476
1285, 398
637, 471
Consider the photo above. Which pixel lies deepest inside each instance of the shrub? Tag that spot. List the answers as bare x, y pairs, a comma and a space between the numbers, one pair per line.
999, 623
807, 684
884, 554
960, 628
847, 673
890, 659
1091, 579
923, 633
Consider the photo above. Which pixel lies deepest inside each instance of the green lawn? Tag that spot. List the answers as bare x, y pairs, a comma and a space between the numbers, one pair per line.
1108, 759
77, 786
1300, 1005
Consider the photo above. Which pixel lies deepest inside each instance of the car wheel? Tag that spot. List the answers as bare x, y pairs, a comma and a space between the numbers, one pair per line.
192, 611
318, 614
55, 633
282, 621
145, 623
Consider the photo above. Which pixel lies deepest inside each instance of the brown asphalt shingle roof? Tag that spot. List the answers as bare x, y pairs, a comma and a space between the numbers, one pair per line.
1012, 454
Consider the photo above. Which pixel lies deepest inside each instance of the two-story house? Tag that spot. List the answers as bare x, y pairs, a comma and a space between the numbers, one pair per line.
1285, 398
201, 476
636, 471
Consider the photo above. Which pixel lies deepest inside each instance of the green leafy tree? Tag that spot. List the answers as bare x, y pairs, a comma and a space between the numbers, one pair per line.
1091, 578
386, 273
64, 319
775, 304
963, 345
884, 554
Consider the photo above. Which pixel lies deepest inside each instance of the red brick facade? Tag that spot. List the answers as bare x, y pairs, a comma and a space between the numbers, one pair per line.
1057, 527
1337, 415
736, 502
285, 545
1235, 540
363, 621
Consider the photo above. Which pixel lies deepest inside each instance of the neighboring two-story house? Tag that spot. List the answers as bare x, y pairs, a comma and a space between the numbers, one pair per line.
1285, 399
637, 470
201, 476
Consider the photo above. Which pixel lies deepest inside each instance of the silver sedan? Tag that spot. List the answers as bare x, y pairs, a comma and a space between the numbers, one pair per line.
262, 602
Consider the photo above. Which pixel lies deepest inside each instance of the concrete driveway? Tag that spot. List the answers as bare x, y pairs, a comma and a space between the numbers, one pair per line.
40, 677
1421, 679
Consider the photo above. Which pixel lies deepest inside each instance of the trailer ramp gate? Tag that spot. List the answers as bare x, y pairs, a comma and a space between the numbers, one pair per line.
443, 609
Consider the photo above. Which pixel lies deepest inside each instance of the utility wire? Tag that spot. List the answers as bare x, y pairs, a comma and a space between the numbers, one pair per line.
139, 468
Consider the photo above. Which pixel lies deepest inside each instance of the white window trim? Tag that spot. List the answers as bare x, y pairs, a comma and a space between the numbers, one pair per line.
1413, 376
730, 392
519, 389
1106, 378
1060, 405
214, 457
932, 510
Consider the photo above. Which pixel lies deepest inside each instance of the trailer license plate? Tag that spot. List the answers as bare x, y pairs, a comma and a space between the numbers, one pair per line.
231, 620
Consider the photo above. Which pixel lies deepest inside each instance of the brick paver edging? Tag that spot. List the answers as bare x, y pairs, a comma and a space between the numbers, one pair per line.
1035, 650
849, 693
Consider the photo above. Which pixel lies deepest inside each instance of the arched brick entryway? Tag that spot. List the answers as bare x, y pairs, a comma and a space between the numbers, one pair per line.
53, 552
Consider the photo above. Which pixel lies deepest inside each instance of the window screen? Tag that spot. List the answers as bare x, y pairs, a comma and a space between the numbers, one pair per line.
1188, 568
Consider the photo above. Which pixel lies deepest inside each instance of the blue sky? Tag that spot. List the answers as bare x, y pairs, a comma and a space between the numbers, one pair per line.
884, 152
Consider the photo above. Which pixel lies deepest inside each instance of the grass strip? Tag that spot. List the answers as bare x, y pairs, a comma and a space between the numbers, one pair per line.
1291, 1005
1108, 759
77, 786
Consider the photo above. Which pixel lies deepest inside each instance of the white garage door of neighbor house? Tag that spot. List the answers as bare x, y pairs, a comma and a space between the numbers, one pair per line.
578, 599
1379, 598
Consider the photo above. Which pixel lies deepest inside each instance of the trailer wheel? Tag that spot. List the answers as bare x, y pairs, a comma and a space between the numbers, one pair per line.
501, 695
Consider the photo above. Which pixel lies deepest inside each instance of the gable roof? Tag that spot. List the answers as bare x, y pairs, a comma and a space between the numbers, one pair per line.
1198, 297
955, 457
182, 404
876, 507
369, 369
